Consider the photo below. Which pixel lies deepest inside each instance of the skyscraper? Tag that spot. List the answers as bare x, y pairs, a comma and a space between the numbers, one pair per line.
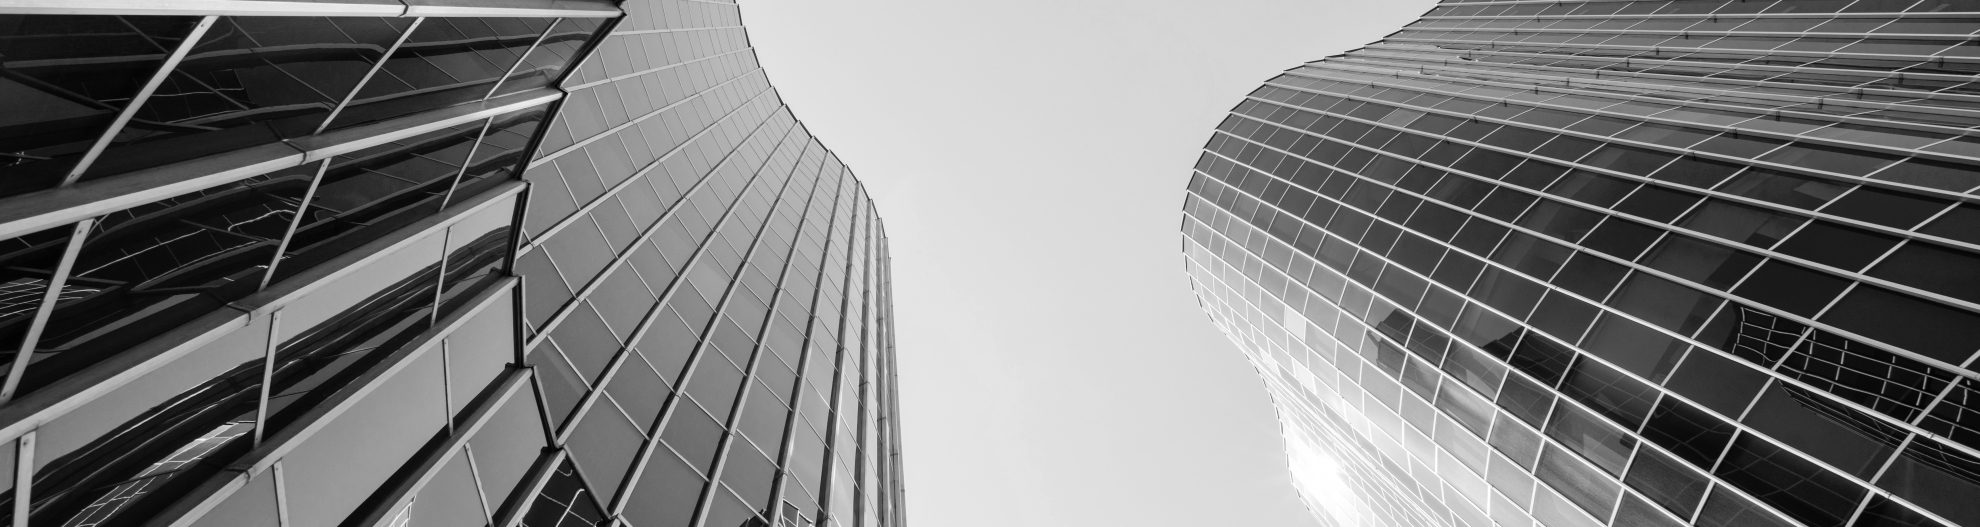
1634, 263
429, 262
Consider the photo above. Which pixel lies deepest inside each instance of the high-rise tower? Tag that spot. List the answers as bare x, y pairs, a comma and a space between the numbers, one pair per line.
428, 262
1634, 263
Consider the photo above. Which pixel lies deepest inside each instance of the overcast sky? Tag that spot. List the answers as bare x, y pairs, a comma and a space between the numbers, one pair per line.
1028, 158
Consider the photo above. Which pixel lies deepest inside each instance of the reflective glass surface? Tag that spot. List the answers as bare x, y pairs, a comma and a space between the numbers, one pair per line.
701, 281
1695, 295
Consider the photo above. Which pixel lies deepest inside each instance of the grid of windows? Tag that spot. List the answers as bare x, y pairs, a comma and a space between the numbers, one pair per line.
704, 294
515, 262
1614, 263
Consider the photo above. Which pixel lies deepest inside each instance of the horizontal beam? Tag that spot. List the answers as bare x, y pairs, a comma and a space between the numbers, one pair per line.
35, 211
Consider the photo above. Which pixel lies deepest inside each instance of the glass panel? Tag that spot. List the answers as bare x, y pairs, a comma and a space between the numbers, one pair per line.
666, 493
250, 81
1883, 207
564, 502
477, 252
548, 61
446, 61
1801, 489
1667, 481
1791, 288
147, 269
449, 499
479, 351
68, 76
605, 445
333, 334
27, 263
371, 192
1934, 268
144, 443
253, 504
1837, 245
507, 445
1829, 431
1940, 478
1578, 482
1938, 331
333, 471
1726, 509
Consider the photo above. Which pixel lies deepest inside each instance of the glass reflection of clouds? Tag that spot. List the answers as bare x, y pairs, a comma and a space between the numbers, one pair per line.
1321, 482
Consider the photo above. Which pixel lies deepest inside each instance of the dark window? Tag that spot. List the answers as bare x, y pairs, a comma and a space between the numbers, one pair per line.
1657, 203
1791, 288
1666, 481
1961, 223
1628, 159
1803, 490
1589, 275
76, 73
1726, 509
1710, 264
1841, 436
1598, 440
1527, 401
1696, 172
1794, 190
1933, 268
1882, 512
1837, 245
1828, 158
1885, 207
1540, 357
445, 61
1531, 255
1690, 433
250, 81
1610, 393
1621, 238
1592, 188
1940, 478
1933, 174
1938, 331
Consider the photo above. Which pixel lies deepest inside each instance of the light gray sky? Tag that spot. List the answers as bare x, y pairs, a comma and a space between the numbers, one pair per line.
1028, 158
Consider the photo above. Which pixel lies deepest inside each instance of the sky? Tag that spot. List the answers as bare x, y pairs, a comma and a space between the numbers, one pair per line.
1029, 158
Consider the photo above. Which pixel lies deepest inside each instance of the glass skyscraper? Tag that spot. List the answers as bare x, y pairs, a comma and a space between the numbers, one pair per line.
429, 262
1633, 263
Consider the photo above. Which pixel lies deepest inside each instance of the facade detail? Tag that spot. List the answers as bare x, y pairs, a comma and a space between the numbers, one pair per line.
1632, 263
429, 262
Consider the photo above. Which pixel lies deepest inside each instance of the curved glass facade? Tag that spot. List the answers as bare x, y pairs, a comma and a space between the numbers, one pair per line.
429, 262
1631, 263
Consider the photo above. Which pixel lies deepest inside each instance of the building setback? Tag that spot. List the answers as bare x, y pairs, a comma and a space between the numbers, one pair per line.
429, 262
1633, 263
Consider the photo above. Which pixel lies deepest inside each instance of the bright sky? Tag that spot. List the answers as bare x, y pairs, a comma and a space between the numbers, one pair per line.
1029, 158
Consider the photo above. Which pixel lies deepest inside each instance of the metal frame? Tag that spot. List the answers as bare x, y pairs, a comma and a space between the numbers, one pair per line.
638, 174
621, 258
137, 101
1732, 421
40, 210
368, 74
46, 308
30, 411
522, 57
1853, 276
778, 490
